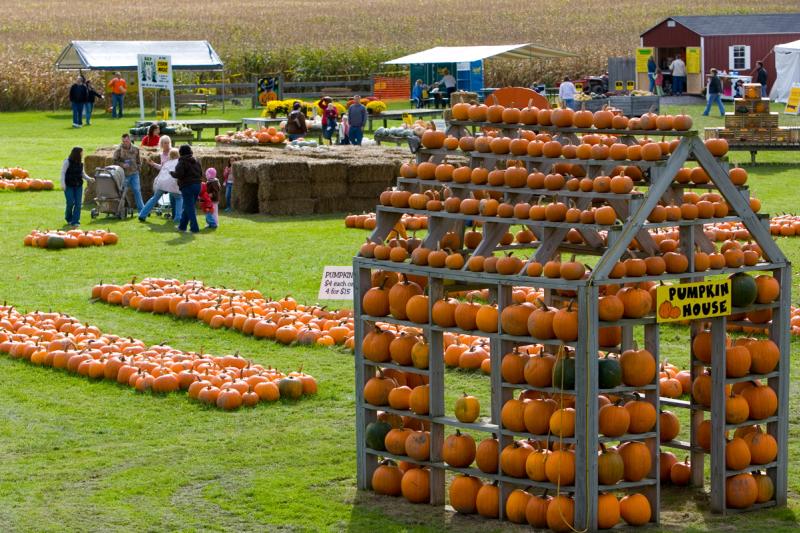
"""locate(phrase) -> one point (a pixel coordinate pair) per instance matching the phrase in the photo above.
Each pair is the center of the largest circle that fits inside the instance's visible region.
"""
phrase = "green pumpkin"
(609, 373)
(290, 387)
(564, 373)
(376, 435)
(55, 242)
(743, 289)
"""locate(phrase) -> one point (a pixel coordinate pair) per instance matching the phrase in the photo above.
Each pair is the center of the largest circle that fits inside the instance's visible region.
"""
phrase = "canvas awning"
(122, 55)
(787, 70)
(458, 54)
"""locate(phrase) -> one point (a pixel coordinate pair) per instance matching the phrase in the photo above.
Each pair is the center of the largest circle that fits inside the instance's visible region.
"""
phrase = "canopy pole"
(223, 90)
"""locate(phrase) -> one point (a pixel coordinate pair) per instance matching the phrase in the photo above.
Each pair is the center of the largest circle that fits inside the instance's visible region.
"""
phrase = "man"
(714, 93)
(118, 88)
(357, 118)
(449, 83)
(651, 72)
(761, 77)
(127, 156)
(566, 93)
(678, 70)
(78, 96)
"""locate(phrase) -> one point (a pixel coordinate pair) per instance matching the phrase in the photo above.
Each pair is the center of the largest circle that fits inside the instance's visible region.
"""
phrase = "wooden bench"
(199, 101)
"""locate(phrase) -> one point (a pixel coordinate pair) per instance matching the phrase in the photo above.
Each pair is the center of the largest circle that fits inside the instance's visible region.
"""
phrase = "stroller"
(111, 192)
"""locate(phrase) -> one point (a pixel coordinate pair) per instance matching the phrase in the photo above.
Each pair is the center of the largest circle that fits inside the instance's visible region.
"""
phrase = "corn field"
(308, 39)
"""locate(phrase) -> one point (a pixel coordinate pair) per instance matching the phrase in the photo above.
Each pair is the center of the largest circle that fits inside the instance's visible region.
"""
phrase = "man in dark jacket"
(714, 93)
(78, 96)
(761, 77)
(296, 126)
(357, 118)
(189, 174)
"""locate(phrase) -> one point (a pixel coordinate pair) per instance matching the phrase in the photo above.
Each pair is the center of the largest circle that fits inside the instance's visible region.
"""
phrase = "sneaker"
(76, 125)
(142, 219)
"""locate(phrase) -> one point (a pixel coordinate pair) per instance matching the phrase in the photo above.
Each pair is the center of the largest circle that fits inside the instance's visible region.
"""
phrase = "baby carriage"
(111, 192)
(163, 207)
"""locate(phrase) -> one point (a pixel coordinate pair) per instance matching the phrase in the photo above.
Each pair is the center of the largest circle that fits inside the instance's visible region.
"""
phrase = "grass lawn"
(83, 456)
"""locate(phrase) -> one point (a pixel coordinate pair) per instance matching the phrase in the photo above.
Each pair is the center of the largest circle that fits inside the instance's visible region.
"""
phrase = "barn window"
(739, 57)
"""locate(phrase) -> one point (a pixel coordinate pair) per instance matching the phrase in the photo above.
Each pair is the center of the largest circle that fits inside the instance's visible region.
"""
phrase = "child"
(659, 83)
(209, 198)
(227, 180)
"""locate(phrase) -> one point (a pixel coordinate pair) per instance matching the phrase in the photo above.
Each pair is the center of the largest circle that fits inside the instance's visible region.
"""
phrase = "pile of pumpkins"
(249, 136)
(368, 221)
(63, 342)
(284, 320)
(603, 119)
(56, 240)
(18, 179)
(784, 225)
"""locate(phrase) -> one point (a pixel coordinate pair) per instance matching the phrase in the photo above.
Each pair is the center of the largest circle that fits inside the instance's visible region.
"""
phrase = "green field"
(77, 455)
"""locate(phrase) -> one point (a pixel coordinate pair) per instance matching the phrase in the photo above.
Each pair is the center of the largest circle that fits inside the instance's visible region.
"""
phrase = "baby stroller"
(163, 207)
(111, 192)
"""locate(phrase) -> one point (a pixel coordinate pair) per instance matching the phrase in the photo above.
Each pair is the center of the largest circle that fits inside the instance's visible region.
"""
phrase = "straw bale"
(328, 178)
(245, 196)
(288, 207)
(287, 180)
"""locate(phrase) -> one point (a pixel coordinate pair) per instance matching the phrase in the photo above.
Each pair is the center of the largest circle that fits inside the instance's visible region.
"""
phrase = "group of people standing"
(349, 127)
(83, 96)
(180, 175)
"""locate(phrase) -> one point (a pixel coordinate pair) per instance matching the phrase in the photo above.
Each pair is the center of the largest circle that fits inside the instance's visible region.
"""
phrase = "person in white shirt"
(163, 184)
(449, 82)
(678, 70)
(566, 93)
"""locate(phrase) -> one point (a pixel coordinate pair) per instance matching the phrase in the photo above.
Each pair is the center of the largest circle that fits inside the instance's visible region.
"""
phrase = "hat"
(211, 173)
(185, 149)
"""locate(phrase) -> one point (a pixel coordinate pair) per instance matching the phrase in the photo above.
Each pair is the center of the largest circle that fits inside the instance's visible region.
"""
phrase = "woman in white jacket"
(165, 184)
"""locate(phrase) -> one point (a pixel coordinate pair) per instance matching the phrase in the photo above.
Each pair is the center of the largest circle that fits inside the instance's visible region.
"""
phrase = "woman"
(72, 178)
(164, 185)
(329, 124)
(152, 137)
(78, 96)
(416, 94)
(92, 97)
(227, 181)
(189, 174)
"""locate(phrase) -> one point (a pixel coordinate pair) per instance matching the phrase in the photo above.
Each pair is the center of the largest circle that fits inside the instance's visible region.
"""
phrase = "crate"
(752, 91)
(595, 104)
(742, 106)
(763, 135)
(733, 121)
(635, 106)
(712, 133)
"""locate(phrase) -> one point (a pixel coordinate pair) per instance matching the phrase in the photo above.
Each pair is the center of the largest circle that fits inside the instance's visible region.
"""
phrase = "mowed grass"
(83, 456)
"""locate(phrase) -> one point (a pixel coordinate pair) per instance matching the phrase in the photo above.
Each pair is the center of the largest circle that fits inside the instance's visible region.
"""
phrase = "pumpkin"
(538, 370)
(464, 493)
(741, 491)
(636, 302)
(765, 487)
(763, 447)
(536, 512)
(290, 387)
(418, 400)
(486, 455)
(415, 485)
(562, 422)
(535, 465)
(764, 355)
(744, 290)
(737, 361)
(669, 426)
(513, 366)
(610, 466)
(608, 511)
(517, 505)
(737, 409)
(609, 372)
(643, 415)
(487, 501)
(561, 513)
(737, 454)
(513, 458)
(635, 509)
(560, 467)
(564, 372)
(537, 414)
(637, 459)
(418, 445)
(613, 420)
(762, 401)
(386, 479)
(565, 324)
(459, 450)
(638, 367)
(467, 408)
(375, 435)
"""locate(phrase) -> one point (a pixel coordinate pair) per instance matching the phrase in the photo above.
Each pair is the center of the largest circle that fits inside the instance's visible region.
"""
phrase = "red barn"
(725, 42)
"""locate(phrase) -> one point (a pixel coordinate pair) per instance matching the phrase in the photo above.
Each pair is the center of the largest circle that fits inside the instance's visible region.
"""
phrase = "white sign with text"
(337, 283)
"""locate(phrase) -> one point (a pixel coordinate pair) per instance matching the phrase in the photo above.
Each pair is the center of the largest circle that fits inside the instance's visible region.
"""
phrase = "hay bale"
(333, 204)
(289, 207)
(328, 178)
(286, 180)
(244, 196)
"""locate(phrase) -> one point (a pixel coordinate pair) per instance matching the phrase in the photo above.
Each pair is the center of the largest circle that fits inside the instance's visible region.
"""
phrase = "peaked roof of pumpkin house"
(761, 24)
(466, 54)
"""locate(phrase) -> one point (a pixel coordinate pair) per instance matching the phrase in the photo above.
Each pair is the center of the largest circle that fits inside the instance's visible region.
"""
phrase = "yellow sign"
(631, 85)
(693, 60)
(408, 119)
(162, 67)
(793, 103)
(618, 85)
(642, 55)
(578, 86)
(691, 301)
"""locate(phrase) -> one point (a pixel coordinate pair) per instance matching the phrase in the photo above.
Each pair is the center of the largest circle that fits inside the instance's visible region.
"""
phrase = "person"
(91, 97)
(566, 93)
(651, 72)
(329, 124)
(165, 184)
(738, 89)
(761, 77)
(118, 88)
(127, 156)
(189, 175)
(344, 130)
(678, 70)
(714, 93)
(449, 83)
(175, 200)
(151, 139)
(78, 96)
(357, 119)
(72, 178)
(227, 180)
(209, 198)
(296, 126)
(416, 94)
(659, 83)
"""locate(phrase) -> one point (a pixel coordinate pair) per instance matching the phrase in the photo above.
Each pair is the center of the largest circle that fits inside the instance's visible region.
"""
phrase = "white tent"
(458, 54)
(787, 70)
(122, 55)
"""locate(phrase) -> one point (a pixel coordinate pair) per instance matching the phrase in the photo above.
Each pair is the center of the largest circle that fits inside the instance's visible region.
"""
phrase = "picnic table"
(258, 122)
(198, 125)
(397, 114)
(754, 147)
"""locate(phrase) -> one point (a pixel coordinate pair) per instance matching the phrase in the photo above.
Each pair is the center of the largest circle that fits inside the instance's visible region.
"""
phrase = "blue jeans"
(356, 135)
(570, 103)
(764, 90)
(73, 196)
(714, 97)
(228, 192)
(678, 85)
(293, 136)
(87, 110)
(176, 200)
(652, 77)
(77, 113)
(329, 128)
(133, 184)
(189, 216)
(116, 103)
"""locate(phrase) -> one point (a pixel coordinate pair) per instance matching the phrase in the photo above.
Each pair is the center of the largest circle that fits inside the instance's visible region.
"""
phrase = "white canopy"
(458, 54)
(787, 70)
(121, 55)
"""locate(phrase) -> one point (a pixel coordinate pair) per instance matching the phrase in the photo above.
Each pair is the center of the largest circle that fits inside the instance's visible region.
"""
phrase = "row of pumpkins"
(284, 320)
(606, 118)
(25, 184)
(369, 221)
(56, 240)
(249, 136)
(63, 342)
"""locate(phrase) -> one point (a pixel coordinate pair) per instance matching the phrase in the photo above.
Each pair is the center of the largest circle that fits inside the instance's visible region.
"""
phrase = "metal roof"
(457, 54)
(762, 24)
(122, 55)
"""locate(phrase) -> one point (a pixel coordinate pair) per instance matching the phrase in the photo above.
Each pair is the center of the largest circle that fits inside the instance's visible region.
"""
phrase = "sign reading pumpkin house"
(690, 301)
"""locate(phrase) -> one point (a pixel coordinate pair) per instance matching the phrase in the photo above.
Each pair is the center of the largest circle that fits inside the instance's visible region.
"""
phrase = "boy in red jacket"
(209, 198)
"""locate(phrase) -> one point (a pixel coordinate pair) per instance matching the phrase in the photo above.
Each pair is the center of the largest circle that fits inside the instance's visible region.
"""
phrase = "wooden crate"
(752, 91)
(733, 121)
(742, 106)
